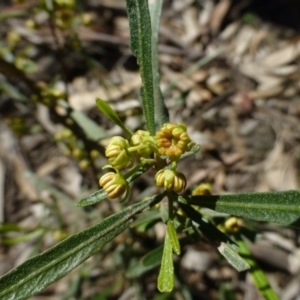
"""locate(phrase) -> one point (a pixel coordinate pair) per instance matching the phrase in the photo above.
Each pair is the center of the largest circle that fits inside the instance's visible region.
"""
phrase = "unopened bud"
(170, 180)
(117, 153)
(114, 185)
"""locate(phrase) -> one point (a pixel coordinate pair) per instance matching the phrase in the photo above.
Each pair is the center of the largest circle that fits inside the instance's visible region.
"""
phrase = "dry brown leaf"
(284, 70)
(279, 170)
(206, 12)
(220, 11)
(263, 92)
(10, 152)
(191, 24)
(230, 31)
(196, 96)
(243, 40)
(283, 56)
(199, 75)
(85, 99)
(257, 40)
(182, 82)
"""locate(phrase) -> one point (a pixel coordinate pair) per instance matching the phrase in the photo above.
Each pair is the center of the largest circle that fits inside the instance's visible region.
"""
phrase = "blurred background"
(229, 71)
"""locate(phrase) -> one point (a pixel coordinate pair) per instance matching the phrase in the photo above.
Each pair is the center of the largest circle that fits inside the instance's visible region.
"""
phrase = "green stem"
(170, 204)
(256, 272)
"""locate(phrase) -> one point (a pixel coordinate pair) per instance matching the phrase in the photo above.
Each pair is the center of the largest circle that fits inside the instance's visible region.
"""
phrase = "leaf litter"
(243, 106)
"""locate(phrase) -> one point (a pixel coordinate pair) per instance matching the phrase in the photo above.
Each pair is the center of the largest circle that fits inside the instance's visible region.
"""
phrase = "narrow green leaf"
(153, 257)
(161, 111)
(11, 91)
(145, 218)
(111, 114)
(140, 39)
(41, 185)
(92, 130)
(226, 292)
(220, 240)
(164, 296)
(8, 227)
(165, 281)
(148, 262)
(13, 14)
(101, 194)
(96, 197)
(137, 172)
(23, 238)
(278, 207)
(214, 235)
(173, 237)
(233, 257)
(40, 271)
(256, 272)
(204, 61)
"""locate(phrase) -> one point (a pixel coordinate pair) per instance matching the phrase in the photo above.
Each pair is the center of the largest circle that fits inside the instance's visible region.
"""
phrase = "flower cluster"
(172, 141)
(165, 148)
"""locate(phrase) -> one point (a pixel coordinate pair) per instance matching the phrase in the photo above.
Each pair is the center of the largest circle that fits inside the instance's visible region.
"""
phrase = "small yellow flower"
(170, 180)
(143, 142)
(117, 153)
(172, 140)
(114, 185)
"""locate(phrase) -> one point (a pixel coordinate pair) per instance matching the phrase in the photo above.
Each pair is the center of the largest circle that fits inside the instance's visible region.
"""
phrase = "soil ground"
(229, 71)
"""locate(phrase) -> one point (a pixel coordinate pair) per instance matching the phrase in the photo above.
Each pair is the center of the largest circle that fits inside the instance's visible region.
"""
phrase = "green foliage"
(110, 113)
(256, 272)
(278, 207)
(223, 243)
(151, 260)
(161, 111)
(165, 281)
(181, 214)
(40, 271)
(140, 27)
(173, 237)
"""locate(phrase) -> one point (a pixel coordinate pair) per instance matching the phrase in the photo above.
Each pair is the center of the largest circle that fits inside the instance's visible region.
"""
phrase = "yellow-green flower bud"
(170, 180)
(233, 224)
(114, 185)
(202, 189)
(172, 140)
(65, 3)
(143, 142)
(117, 153)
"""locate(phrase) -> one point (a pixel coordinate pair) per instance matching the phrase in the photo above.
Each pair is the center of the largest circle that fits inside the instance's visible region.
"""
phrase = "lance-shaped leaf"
(146, 220)
(278, 207)
(91, 129)
(173, 237)
(148, 262)
(161, 111)
(224, 244)
(165, 280)
(140, 40)
(111, 114)
(38, 272)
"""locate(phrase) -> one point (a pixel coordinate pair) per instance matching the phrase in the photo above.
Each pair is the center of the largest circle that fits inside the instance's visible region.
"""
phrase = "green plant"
(160, 149)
